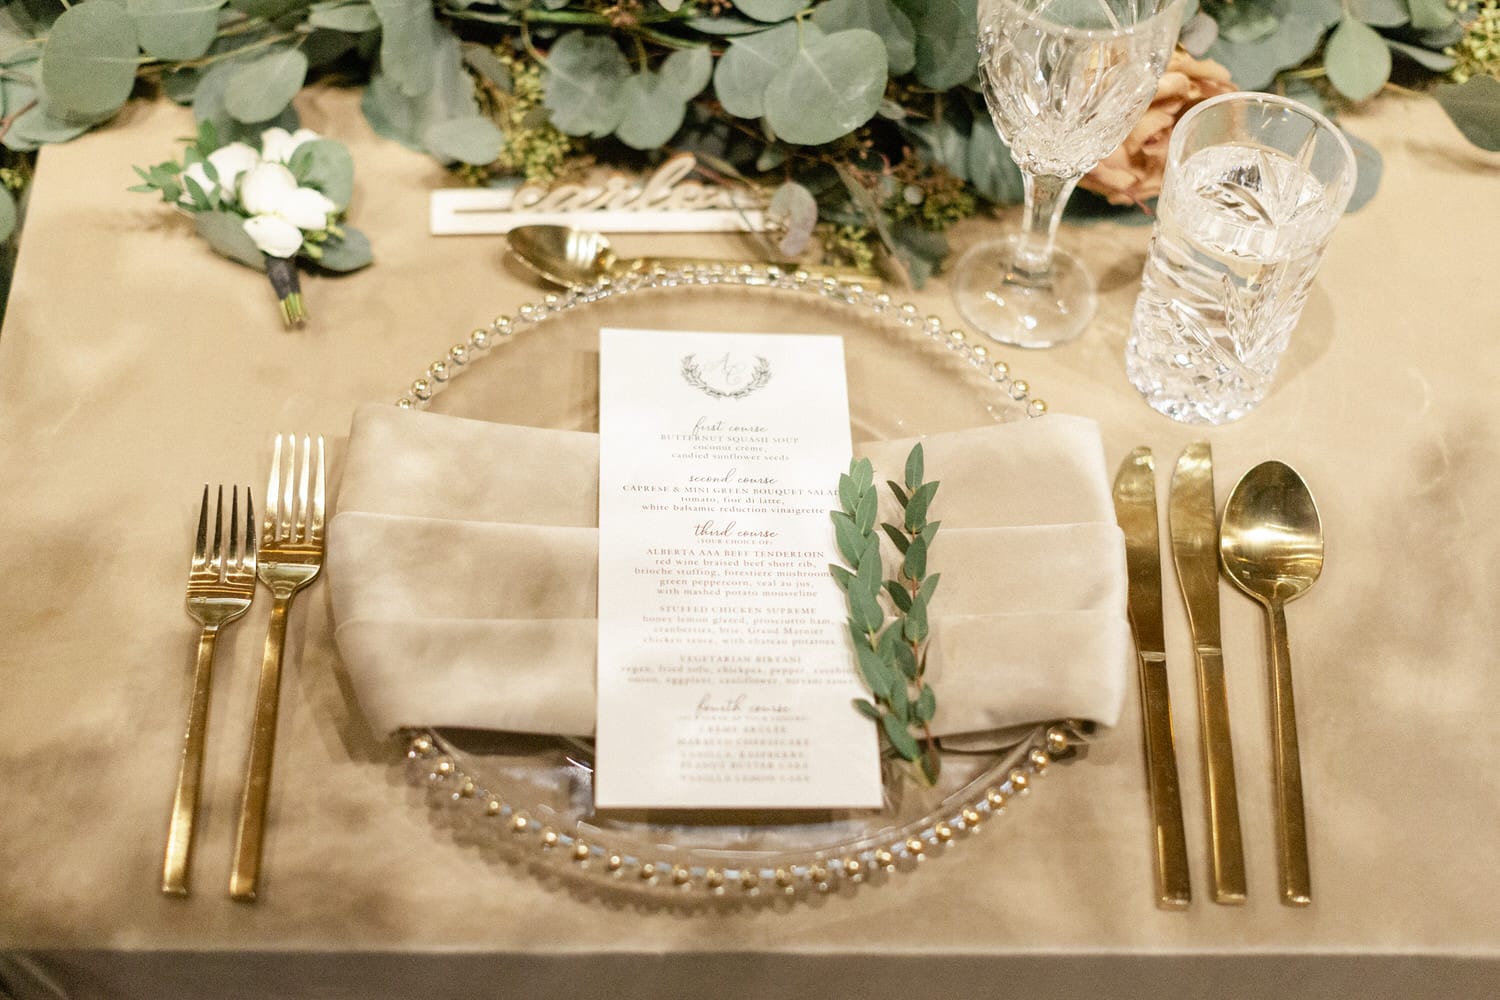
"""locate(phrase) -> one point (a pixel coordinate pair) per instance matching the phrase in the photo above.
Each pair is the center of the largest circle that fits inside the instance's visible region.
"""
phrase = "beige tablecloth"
(135, 366)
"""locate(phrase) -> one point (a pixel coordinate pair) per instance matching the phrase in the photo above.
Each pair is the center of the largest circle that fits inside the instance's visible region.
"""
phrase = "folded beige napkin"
(463, 568)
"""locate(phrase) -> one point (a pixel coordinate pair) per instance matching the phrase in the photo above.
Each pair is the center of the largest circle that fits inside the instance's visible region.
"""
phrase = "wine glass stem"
(1046, 196)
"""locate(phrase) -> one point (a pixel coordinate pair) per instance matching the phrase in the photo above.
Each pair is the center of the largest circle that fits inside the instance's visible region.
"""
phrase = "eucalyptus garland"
(862, 117)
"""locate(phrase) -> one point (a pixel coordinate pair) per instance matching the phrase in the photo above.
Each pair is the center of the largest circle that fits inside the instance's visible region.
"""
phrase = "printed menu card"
(725, 673)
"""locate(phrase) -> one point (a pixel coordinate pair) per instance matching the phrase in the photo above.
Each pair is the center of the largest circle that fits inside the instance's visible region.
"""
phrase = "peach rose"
(1132, 174)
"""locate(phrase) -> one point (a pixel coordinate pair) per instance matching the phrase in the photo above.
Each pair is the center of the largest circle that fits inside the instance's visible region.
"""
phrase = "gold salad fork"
(219, 591)
(291, 554)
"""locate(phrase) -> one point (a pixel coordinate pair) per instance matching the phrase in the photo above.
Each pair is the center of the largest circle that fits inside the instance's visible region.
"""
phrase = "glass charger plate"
(532, 797)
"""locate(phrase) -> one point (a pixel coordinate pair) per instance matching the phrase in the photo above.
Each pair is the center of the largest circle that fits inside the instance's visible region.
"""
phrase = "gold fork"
(291, 554)
(218, 592)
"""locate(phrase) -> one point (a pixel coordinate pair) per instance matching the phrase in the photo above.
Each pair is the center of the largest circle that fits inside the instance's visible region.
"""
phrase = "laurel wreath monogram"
(692, 373)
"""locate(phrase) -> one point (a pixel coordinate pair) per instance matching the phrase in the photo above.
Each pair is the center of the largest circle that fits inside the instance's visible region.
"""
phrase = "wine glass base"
(1006, 308)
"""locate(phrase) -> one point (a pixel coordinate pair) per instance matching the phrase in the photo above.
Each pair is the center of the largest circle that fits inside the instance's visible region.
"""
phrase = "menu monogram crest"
(727, 376)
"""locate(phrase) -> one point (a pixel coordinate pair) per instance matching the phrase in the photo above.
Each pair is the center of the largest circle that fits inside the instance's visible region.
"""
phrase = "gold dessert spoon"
(573, 258)
(1271, 547)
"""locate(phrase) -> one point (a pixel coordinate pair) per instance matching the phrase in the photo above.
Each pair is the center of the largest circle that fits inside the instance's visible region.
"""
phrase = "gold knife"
(1135, 509)
(1195, 551)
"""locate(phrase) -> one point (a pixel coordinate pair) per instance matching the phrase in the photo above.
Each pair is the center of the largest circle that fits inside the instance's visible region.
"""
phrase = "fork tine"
(217, 563)
(285, 521)
(250, 554)
(232, 565)
(317, 500)
(200, 548)
(299, 529)
(273, 491)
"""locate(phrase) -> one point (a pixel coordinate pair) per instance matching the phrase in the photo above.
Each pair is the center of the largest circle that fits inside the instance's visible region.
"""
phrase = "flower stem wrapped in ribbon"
(268, 208)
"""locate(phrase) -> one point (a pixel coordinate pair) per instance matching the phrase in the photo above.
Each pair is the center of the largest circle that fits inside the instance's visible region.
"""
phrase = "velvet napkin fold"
(463, 567)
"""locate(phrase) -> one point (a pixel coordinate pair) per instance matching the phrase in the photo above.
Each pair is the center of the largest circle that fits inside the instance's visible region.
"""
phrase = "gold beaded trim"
(480, 341)
(431, 765)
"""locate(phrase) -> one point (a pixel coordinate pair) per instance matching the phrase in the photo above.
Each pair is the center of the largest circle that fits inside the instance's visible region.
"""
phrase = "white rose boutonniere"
(270, 207)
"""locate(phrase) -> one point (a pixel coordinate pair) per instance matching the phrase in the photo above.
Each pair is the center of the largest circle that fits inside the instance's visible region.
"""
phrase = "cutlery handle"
(1226, 846)
(174, 869)
(1173, 886)
(1291, 833)
(247, 844)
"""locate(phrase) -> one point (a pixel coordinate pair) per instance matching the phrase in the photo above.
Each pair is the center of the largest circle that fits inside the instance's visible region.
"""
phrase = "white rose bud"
(230, 162)
(278, 145)
(265, 187)
(306, 208)
(274, 236)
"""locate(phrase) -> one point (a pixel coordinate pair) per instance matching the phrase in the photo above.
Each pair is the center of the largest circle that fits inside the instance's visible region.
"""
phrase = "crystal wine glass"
(1065, 82)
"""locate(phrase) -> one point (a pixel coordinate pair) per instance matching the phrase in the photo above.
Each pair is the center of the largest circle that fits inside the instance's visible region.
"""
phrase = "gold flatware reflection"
(221, 585)
(574, 258)
(1271, 546)
(1195, 552)
(1135, 509)
(291, 555)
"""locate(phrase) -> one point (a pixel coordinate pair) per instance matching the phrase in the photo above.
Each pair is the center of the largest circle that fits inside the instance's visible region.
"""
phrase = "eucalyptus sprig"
(892, 655)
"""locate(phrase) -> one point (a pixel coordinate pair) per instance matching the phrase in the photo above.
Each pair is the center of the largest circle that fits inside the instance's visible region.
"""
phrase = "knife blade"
(1135, 510)
(1194, 531)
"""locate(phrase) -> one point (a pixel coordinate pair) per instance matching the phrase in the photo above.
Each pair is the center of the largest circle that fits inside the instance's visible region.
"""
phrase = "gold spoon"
(1271, 547)
(574, 258)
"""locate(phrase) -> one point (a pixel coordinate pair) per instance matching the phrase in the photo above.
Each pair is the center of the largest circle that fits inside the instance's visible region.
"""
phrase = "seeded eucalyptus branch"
(892, 655)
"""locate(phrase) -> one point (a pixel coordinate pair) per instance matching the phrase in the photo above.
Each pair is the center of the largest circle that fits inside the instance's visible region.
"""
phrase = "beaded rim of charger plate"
(818, 872)
(460, 356)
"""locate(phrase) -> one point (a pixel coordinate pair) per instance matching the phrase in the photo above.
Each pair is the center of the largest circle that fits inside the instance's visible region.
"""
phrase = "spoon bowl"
(1271, 546)
(1271, 537)
(563, 255)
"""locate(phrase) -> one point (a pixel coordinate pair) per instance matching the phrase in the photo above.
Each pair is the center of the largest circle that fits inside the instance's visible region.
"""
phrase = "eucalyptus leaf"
(880, 16)
(926, 706)
(898, 539)
(225, 232)
(268, 10)
(448, 94)
(175, 29)
(863, 473)
(945, 139)
(947, 40)
(1369, 167)
(262, 87)
(914, 567)
(1427, 15)
(848, 493)
(351, 17)
(900, 702)
(929, 585)
(1255, 64)
(771, 10)
(841, 576)
(900, 596)
(482, 60)
(8, 214)
(906, 660)
(687, 71)
(1474, 107)
(1380, 13)
(901, 741)
(794, 209)
(1357, 60)
(916, 510)
(1325, 12)
(749, 64)
(651, 111)
(866, 709)
(915, 627)
(914, 467)
(724, 26)
(208, 106)
(583, 82)
(323, 46)
(869, 566)
(326, 166)
(409, 40)
(36, 128)
(850, 542)
(897, 492)
(348, 253)
(88, 62)
(1438, 62)
(831, 87)
(472, 139)
(992, 170)
(877, 676)
(865, 607)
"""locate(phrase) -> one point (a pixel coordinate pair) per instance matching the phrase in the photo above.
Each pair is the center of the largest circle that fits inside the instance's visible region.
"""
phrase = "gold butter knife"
(1135, 509)
(1193, 525)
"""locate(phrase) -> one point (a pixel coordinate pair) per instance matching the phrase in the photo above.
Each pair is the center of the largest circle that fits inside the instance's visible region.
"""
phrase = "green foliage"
(890, 654)
(1474, 107)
